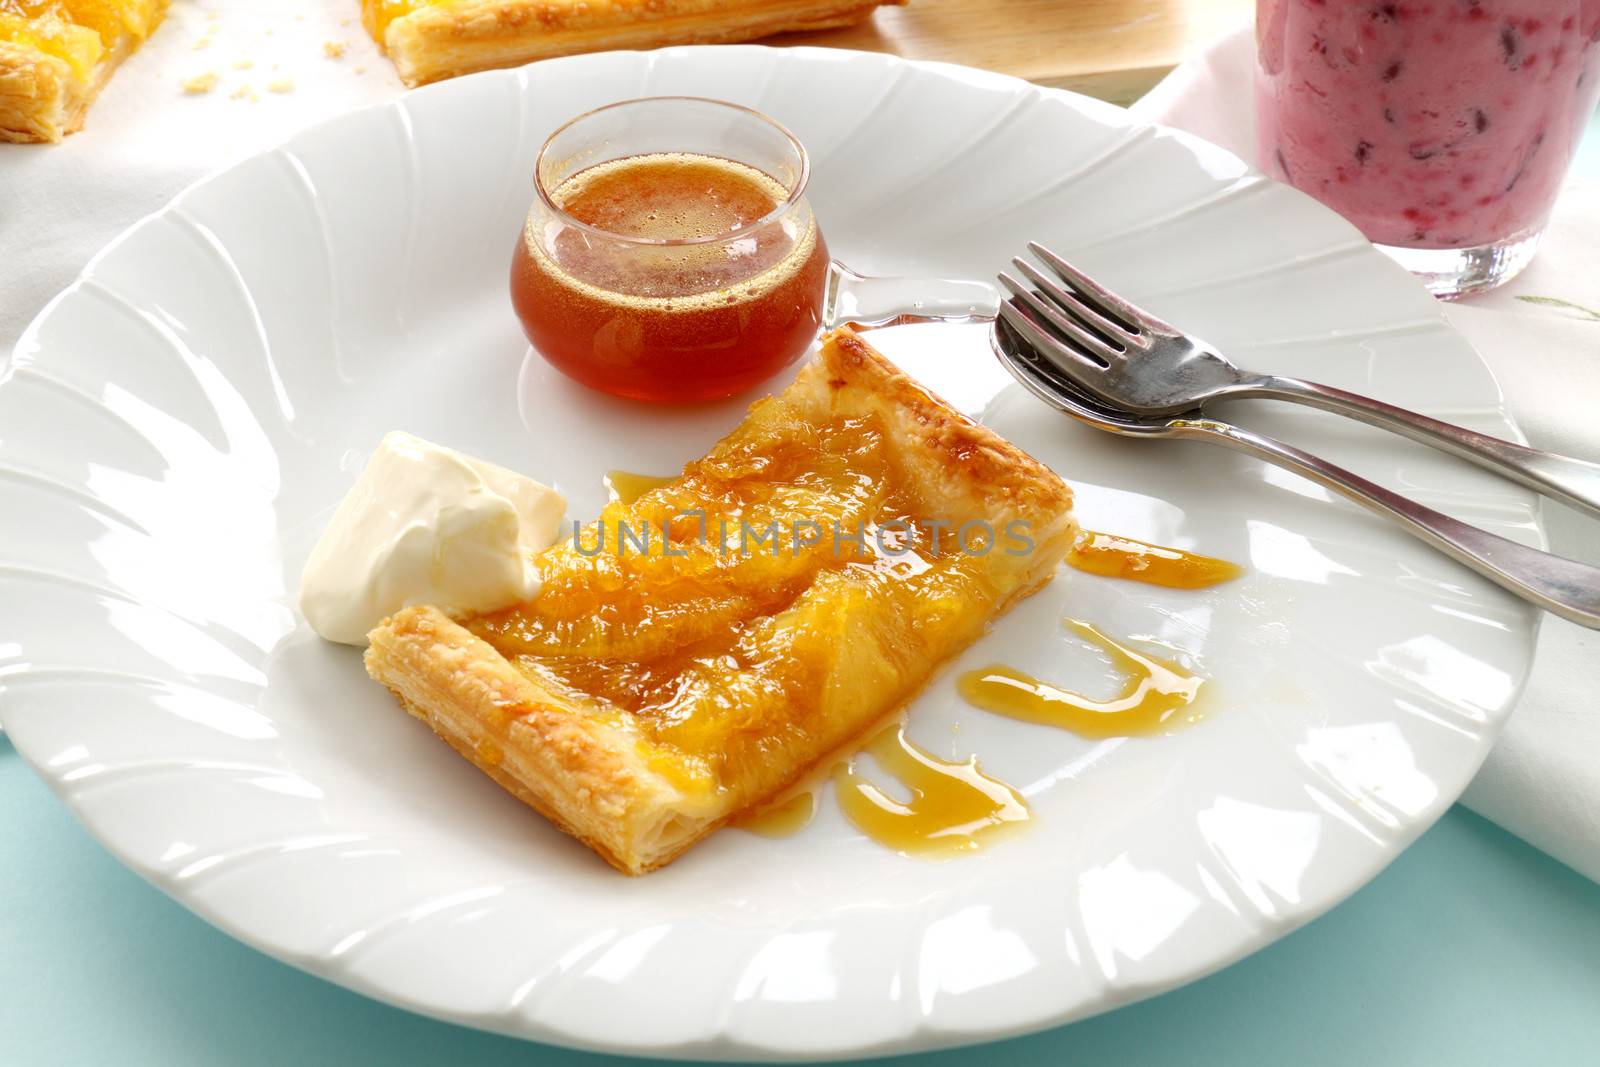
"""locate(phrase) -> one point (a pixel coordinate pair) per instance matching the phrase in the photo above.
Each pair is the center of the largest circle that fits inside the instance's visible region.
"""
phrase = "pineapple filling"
(78, 31)
(747, 606)
(377, 14)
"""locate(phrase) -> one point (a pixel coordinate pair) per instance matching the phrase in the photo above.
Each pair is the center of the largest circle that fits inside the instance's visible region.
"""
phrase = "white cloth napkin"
(283, 65)
(1542, 781)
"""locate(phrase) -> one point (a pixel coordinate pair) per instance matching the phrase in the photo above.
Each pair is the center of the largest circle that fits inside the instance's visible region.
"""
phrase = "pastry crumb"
(202, 43)
(281, 85)
(333, 49)
(361, 70)
(243, 64)
(244, 92)
(200, 83)
(344, 22)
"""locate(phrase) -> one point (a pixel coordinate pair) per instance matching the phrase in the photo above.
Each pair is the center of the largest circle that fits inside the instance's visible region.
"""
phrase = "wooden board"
(1113, 49)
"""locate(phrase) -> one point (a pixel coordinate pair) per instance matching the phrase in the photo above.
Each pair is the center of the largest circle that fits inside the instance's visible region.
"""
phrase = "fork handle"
(1573, 481)
(1562, 586)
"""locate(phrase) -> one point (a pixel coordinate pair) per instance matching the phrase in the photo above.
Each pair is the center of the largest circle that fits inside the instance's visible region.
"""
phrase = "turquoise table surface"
(1472, 948)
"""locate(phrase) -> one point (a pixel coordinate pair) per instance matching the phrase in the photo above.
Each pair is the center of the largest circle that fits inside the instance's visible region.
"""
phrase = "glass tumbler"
(1441, 128)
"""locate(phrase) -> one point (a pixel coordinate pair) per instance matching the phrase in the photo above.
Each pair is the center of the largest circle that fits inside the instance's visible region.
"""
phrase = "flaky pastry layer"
(441, 40)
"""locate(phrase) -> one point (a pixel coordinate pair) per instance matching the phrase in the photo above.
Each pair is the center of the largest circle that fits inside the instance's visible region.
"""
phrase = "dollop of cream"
(425, 524)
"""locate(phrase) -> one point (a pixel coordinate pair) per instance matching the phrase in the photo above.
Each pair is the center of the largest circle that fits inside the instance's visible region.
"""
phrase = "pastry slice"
(433, 39)
(55, 55)
(693, 653)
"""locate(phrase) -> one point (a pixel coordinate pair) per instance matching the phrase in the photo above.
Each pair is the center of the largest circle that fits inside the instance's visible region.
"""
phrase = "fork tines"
(1079, 321)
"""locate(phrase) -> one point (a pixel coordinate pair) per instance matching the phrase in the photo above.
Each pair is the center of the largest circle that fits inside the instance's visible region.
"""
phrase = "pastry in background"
(56, 55)
(433, 39)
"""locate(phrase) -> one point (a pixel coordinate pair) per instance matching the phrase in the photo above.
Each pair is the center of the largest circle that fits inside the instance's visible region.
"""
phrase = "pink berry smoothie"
(1427, 123)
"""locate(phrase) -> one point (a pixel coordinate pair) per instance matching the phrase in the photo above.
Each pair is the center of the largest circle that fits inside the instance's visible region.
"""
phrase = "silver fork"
(1129, 359)
(1565, 587)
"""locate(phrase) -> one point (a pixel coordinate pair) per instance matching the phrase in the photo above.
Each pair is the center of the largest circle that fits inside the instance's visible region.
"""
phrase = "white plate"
(175, 428)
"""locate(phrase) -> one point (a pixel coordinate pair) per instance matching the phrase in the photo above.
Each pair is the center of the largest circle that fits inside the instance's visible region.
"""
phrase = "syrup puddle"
(953, 807)
(1111, 556)
(1155, 691)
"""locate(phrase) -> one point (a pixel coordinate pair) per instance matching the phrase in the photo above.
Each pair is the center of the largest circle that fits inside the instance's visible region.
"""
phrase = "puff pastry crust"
(433, 39)
(56, 55)
(640, 702)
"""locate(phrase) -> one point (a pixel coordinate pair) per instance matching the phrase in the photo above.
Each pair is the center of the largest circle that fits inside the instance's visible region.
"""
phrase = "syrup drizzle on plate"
(1111, 556)
(1155, 691)
(952, 807)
